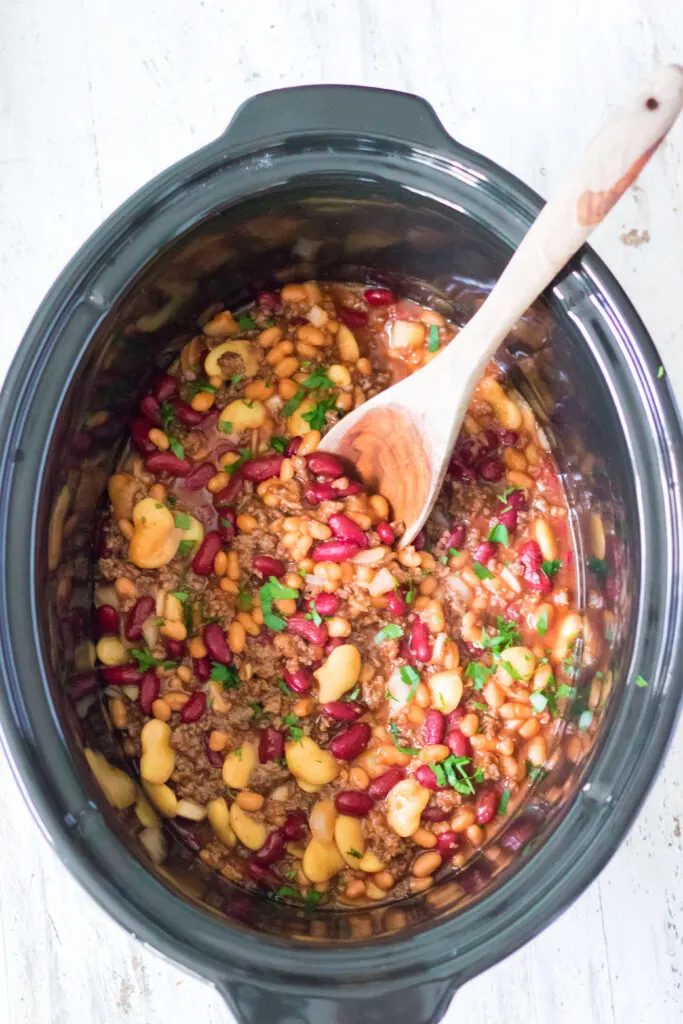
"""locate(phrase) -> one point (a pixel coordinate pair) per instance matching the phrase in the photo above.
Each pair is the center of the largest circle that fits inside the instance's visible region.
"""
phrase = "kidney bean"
(379, 297)
(83, 685)
(518, 834)
(174, 648)
(353, 488)
(227, 524)
(342, 710)
(121, 675)
(351, 742)
(396, 603)
(332, 644)
(458, 743)
(188, 416)
(335, 551)
(301, 626)
(508, 518)
(264, 877)
(447, 843)
(139, 613)
(315, 493)
(108, 620)
(294, 826)
(230, 493)
(405, 652)
(471, 450)
(163, 387)
(459, 471)
(491, 468)
(434, 728)
(271, 745)
(435, 814)
(420, 642)
(385, 533)
(485, 806)
(420, 541)
(195, 707)
(199, 477)
(166, 462)
(352, 317)
(202, 563)
(537, 581)
(345, 529)
(457, 537)
(508, 438)
(139, 436)
(214, 757)
(271, 850)
(485, 552)
(299, 681)
(426, 777)
(268, 301)
(530, 555)
(454, 719)
(216, 644)
(517, 500)
(381, 786)
(327, 604)
(327, 466)
(149, 407)
(264, 468)
(267, 566)
(201, 668)
(354, 803)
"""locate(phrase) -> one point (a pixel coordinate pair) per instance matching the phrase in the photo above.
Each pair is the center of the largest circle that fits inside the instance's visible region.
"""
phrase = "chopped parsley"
(499, 535)
(244, 601)
(259, 714)
(293, 404)
(179, 595)
(246, 323)
(392, 631)
(660, 373)
(542, 623)
(453, 552)
(225, 674)
(245, 455)
(271, 591)
(279, 443)
(283, 686)
(176, 447)
(168, 415)
(318, 379)
(433, 343)
(506, 494)
(225, 426)
(641, 682)
(172, 500)
(569, 692)
(390, 696)
(551, 568)
(235, 381)
(535, 772)
(504, 801)
(317, 417)
(538, 701)
(410, 593)
(186, 547)
(598, 566)
(411, 678)
(354, 853)
(393, 729)
(353, 695)
(146, 660)
(481, 572)
(478, 674)
(314, 615)
(484, 708)
(286, 890)
(454, 769)
(295, 730)
(193, 388)
(510, 669)
(313, 898)
(182, 520)
(507, 636)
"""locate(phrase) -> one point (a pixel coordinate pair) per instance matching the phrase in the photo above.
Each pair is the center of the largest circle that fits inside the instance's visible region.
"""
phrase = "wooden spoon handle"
(612, 162)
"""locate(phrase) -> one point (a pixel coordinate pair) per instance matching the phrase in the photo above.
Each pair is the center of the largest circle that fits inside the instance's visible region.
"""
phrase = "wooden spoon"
(401, 441)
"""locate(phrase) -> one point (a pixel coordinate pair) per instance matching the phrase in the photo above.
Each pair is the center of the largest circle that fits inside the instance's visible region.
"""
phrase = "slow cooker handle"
(330, 109)
(423, 1004)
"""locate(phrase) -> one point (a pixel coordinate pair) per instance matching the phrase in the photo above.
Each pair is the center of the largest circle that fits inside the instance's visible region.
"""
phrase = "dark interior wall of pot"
(328, 228)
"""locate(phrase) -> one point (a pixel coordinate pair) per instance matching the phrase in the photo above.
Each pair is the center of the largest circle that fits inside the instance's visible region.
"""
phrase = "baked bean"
(426, 864)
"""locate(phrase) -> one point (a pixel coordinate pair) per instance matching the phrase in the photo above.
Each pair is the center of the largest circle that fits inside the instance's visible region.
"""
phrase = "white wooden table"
(97, 97)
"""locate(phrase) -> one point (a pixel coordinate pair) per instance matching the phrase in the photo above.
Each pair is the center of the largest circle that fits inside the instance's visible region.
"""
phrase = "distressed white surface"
(97, 97)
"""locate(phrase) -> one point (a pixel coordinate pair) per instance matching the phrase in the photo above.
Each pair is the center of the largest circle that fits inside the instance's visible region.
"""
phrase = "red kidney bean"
(508, 518)
(457, 537)
(458, 743)
(459, 471)
(491, 468)
(345, 529)
(139, 613)
(327, 604)
(149, 407)
(537, 580)
(201, 668)
(508, 438)
(164, 386)
(264, 877)
(271, 745)
(301, 626)
(484, 552)
(420, 541)
(166, 462)
(267, 566)
(199, 477)
(517, 500)
(121, 675)
(264, 468)
(379, 297)
(530, 555)
(315, 493)
(352, 317)
(434, 728)
(420, 642)
(268, 301)
(271, 850)
(293, 446)
(108, 620)
(214, 757)
(381, 786)
(351, 742)
(186, 414)
(341, 710)
(83, 685)
(174, 648)
(227, 524)
(202, 563)
(471, 449)
(396, 603)
(485, 806)
(405, 652)
(327, 466)
(230, 493)
(385, 533)
(454, 719)
(295, 823)
(518, 834)
(216, 644)
(354, 803)
(435, 814)
(447, 843)
(332, 644)
(426, 777)
(139, 435)
(353, 488)
(335, 551)
(195, 707)
(299, 681)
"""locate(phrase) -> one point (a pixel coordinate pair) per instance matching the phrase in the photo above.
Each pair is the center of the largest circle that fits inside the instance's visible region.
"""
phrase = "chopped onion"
(274, 404)
(370, 556)
(398, 690)
(315, 581)
(150, 631)
(190, 810)
(154, 842)
(457, 584)
(407, 334)
(131, 691)
(106, 595)
(383, 582)
(317, 316)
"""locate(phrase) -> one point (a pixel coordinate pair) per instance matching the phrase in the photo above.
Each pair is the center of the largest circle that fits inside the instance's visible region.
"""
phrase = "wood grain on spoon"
(401, 440)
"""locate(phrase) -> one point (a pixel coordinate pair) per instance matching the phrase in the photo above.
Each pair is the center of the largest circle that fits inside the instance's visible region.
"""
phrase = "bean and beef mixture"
(340, 720)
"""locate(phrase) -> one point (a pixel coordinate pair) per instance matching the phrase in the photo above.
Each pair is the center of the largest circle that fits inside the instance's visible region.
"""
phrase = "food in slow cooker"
(336, 719)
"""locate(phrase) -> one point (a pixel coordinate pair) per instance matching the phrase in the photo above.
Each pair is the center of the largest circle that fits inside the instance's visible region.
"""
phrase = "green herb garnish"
(393, 729)
(168, 415)
(246, 323)
(354, 853)
(274, 591)
(279, 443)
(317, 417)
(225, 674)
(293, 404)
(598, 566)
(478, 674)
(542, 624)
(660, 373)
(504, 801)
(499, 535)
(411, 678)
(538, 701)
(295, 730)
(225, 427)
(481, 572)
(318, 379)
(146, 660)
(176, 447)
(186, 547)
(392, 631)
(244, 600)
(552, 567)
(182, 520)
(180, 595)
(193, 388)
(535, 772)
(245, 455)
(641, 682)
(433, 343)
